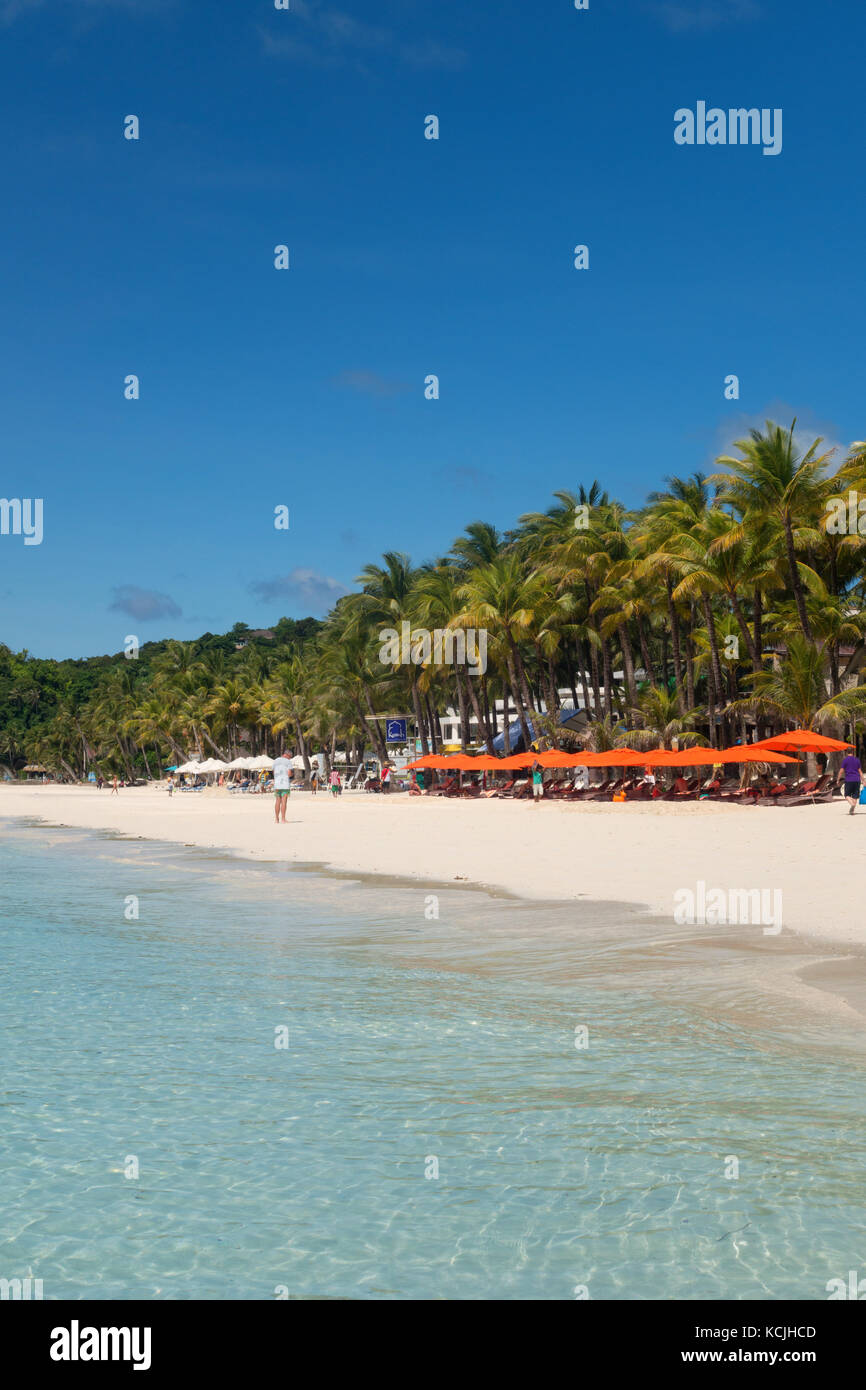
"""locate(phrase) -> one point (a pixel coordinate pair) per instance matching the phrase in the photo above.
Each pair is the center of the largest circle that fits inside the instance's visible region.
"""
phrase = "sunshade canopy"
(611, 757)
(709, 757)
(803, 740)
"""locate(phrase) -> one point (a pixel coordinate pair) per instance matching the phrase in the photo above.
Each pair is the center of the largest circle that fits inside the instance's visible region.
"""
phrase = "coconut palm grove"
(730, 606)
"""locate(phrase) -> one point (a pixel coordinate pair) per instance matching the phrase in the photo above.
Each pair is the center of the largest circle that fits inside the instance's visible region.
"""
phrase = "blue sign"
(395, 731)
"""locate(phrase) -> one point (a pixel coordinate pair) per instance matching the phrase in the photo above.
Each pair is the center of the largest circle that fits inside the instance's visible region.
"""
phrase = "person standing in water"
(282, 787)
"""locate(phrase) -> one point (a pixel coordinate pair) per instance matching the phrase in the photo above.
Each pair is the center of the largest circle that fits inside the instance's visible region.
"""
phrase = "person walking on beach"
(282, 787)
(314, 781)
(537, 782)
(335, 783)
(114, 785)
(852, 774)
(386, 778)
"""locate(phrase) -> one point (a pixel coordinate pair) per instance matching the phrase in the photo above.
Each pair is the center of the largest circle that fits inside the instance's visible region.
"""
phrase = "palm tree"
(663, 721)
(503, 597)
(795, 691)
(773, 479)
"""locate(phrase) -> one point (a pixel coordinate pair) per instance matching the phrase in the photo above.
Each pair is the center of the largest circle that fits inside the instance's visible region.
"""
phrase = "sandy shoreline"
(640, 854)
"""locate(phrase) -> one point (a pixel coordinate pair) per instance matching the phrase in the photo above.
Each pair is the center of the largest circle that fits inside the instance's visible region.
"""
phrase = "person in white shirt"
(282, 787)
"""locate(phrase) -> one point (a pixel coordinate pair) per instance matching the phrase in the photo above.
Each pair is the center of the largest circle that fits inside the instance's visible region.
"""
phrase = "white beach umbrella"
(212, 765)
(239, 762)
(188, 767)
(297, 762)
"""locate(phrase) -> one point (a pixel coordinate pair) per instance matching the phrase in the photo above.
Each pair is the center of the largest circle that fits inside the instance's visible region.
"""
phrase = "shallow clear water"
(410, 1040)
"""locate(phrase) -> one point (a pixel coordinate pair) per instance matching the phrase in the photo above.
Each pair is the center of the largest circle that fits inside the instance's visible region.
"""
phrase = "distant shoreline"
(642, 854)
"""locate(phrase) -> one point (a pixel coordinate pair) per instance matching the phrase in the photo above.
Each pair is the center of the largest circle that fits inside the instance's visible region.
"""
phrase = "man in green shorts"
(282, 787)
(537, 783)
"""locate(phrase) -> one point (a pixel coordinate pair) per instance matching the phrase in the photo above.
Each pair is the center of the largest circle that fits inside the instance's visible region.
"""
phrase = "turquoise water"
(302, 1170)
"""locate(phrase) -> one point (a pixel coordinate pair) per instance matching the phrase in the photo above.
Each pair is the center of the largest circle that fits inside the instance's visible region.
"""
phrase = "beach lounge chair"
(769, 795)
(641, 792)
(445, 789)
(691, 792)
(604, 792)
(806, 794)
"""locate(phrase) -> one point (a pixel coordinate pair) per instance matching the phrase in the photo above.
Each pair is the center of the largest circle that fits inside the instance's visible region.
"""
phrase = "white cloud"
(145, 605)
(304, 588)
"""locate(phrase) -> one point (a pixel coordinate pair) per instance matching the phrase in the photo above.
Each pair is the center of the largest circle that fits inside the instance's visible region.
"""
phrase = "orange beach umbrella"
(709, 757)
(805, 741)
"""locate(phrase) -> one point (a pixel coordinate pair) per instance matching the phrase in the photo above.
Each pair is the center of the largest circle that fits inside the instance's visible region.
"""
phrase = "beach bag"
(863, 796)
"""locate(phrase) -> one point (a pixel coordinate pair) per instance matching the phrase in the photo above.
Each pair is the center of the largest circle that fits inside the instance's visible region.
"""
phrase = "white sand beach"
(639, 853)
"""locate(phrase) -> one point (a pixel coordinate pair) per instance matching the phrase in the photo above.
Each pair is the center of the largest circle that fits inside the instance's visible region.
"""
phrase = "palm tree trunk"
(219, 752)
(628, 664)
(690, 665)
(520, 671)
(645, 652)
(435, 732)
(796, 582)
(595, 679)
(607, 677)
(674, 623)
(375, 728)
(302, 742)
(758, 615)
(483, 728)
(553, 706)
(584, 688)
(715, 661)
(419, 720)
(489, 711)
(465, 736)
(518, 704)
(744, 628)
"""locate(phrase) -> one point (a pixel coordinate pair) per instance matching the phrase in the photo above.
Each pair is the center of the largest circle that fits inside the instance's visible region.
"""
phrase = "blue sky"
(305, 387)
